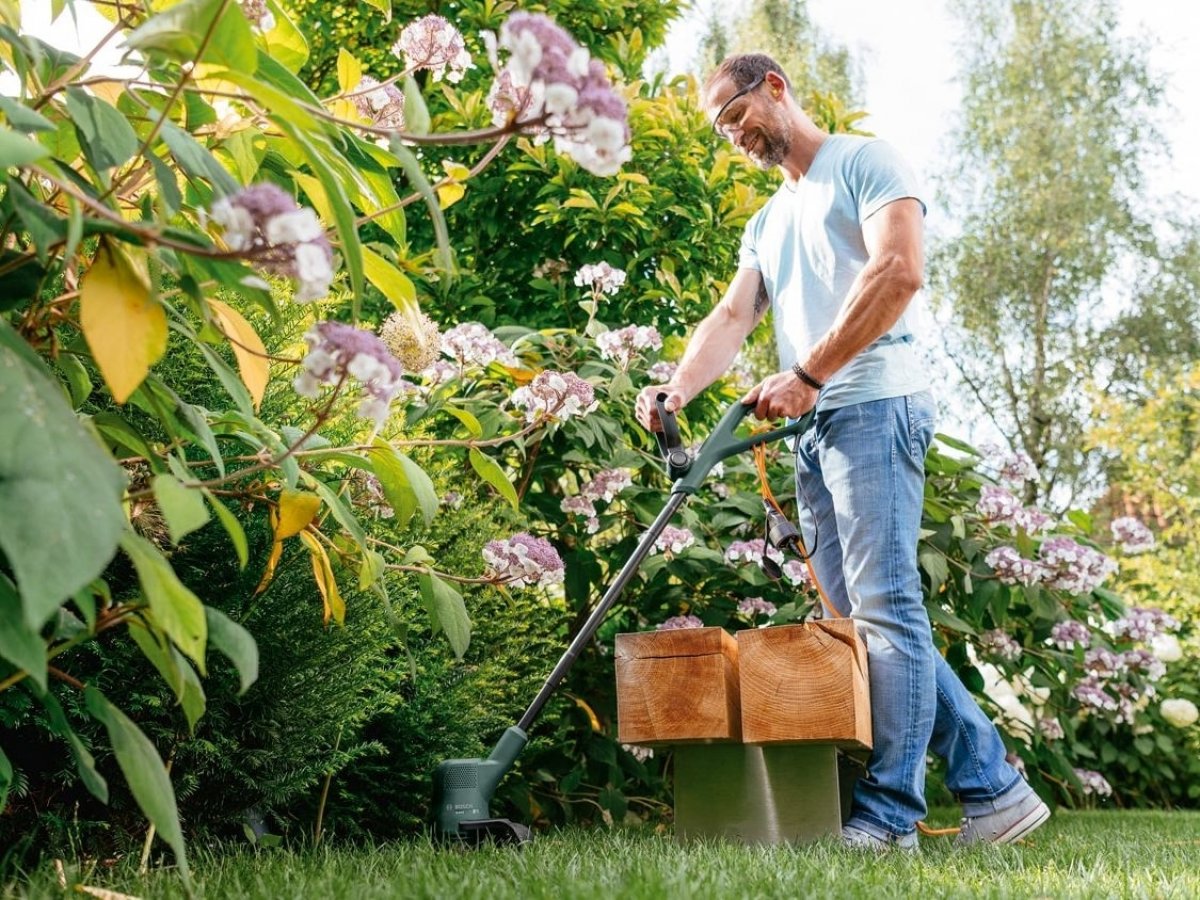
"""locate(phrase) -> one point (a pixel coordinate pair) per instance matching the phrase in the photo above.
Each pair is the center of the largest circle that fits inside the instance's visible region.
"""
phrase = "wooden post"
(677, 686)
(805, 684)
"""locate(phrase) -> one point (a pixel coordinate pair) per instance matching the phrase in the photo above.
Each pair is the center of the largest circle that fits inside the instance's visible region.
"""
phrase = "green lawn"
(1094, 854)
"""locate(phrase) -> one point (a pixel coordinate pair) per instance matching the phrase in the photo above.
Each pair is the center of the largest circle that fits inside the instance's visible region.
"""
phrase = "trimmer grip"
(669, 438)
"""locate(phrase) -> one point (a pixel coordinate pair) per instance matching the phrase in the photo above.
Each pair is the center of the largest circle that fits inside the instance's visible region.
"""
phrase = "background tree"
(1045, 182)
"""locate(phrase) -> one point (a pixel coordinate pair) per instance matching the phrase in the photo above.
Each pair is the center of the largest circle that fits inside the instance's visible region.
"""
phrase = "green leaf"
(20, 285)
(285, 42)
(182, 506)
(1080, 520)
(384, 6)
(195, 160)
(404, 483)
(176, 610)
(236, 643)
(84, 761)
(23, 118)
(107, 138)
(940, 616)
(468, 419)
(44, 227)
(17, 150)
(60, 491)
(174, 669)
(179, 32)
(391, 282)
(371, 569)
(6, 779)
(168, 185)
(416, 113)
(19, 644)
(491, 472)
(962, 446)
(936, 566)
(144, 772)
(232, 527)
(412, 169)
(338, 509)
(448, 612)
(75, 374)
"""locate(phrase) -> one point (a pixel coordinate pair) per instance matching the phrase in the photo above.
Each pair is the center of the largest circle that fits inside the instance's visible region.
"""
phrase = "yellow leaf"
(349, 71)
(316, 195)
(593, 719)
(392, 283)
(247, 347)
(457, 171)
(273, 560)
(125, 327)
(450, 193)
(296, 511)
(326, 584)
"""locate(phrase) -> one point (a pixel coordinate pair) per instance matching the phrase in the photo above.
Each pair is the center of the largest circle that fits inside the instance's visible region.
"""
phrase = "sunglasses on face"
(721, 127)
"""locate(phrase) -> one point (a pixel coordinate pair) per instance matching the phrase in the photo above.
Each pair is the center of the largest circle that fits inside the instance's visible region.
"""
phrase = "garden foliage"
(235, 423)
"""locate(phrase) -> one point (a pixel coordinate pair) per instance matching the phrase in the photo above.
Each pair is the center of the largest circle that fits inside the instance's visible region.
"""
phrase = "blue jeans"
(860, 477)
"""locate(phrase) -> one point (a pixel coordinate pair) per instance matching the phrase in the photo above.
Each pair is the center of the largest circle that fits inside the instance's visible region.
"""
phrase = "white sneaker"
(1005, 826)
(858, 839)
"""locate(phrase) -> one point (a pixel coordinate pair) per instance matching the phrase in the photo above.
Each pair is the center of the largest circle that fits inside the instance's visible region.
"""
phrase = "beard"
(770, 148)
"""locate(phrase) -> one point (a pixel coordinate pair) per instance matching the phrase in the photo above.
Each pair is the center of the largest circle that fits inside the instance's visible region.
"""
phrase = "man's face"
(750, 120)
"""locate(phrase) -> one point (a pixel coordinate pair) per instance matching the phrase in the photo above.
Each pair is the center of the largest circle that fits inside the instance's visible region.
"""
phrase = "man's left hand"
(781, 396)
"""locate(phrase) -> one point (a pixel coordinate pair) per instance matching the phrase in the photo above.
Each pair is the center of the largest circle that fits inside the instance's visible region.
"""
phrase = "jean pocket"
(921, 415)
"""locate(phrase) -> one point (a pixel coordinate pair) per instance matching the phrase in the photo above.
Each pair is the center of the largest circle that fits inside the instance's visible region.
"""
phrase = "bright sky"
(906, 51)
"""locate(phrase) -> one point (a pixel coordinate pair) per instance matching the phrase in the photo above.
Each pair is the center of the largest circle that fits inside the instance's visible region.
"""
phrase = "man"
(836, 255)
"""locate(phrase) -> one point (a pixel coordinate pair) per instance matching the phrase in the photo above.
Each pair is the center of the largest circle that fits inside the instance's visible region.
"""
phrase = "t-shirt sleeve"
(878, 175)
(748, 254)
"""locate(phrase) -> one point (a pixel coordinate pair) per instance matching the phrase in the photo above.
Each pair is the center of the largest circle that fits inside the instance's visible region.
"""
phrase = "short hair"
(744, 69)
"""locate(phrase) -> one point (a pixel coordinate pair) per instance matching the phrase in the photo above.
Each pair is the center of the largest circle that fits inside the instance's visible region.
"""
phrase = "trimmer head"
(462, 793)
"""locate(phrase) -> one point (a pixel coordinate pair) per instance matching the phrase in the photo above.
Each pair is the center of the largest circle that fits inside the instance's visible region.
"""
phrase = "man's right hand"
(647, 411)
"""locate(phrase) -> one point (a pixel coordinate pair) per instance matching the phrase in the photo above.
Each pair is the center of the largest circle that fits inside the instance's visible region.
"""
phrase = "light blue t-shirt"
(808, 246)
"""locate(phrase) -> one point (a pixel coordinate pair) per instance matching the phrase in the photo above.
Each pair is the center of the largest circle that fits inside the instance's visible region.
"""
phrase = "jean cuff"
(1017, 791)
(877, 829)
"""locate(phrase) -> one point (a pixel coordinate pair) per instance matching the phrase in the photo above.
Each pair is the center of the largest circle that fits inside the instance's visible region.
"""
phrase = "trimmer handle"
(670, 442)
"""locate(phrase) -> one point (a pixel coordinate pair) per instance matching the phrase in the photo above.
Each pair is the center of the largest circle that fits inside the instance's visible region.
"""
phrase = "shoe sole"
(1023, 826)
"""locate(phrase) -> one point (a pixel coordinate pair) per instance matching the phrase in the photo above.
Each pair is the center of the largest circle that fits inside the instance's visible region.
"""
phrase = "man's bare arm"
(713, 345)
(882, 291)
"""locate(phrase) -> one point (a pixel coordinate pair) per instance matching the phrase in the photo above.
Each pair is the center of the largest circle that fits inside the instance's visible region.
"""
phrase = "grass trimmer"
(463, 788)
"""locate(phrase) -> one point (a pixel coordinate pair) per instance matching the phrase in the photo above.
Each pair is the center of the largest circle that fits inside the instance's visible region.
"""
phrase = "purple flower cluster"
(1132, 535)
(379, 104)
(259, 15)
(674, 539)
(1017, 469)
(999, 644)
(751, 551)
(433, 43)
(524, 560)
(600, 277)
(1089, 691)
(557, 395)
(662, 372)
(1011, 568)
(263, 224)
(1144, 624)
(1093, 783)
(622, 345)
(1103, 663)
(604, 486)
(751, 607)
(797, 573)
(1050, 729)
(1070, 634)
(339, 351)
(1145, 662)
(473, 344)
(1072, 567)
(551, 77)
(996, 504)
(676, 622)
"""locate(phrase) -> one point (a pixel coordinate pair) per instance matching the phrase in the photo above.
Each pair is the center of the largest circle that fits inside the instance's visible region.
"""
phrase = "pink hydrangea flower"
(556, 395)
(1093, 783)
(524, 560)
(551, 77)
(752, 607)
(1132, 535)
(473, 344)
(433, 43)
(676, 540)
(1051, 729)
(1142, 623)
(380, 104)
(662, 372)
(751, 551)
(1072, 567)
(338, 352)
(1012, 568)
(259, 15)
(1090, 693)
(1145, 662)
(1000, 644)
(676, 622)
(997, 505)
(1070, 634)
(264, 225)
(622, 345)
(797, 573)
(600, 277)
(1032, 520)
